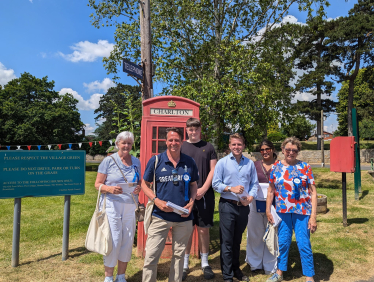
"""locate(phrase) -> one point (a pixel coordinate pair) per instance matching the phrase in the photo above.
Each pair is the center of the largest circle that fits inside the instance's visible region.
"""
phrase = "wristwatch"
(153, 200)
(229, 188)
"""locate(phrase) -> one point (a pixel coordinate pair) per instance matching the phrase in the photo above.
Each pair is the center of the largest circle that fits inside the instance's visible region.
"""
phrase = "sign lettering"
(42, 173)
(171, 112)
(132, 69)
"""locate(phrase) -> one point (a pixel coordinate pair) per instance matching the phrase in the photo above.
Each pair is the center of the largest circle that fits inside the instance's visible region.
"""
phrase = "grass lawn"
(340, 254)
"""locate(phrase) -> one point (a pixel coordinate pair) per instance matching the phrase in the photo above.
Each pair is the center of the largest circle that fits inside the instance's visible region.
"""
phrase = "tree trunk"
(319, 129)
(350, 105)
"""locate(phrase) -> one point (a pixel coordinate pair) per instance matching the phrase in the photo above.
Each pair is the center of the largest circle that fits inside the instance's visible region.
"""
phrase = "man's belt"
(238, 203)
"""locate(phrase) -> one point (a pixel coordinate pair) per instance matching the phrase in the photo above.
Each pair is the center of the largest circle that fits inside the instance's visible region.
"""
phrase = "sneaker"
(275, 278)
(107, 279)
(184, 275)
(208, 272)
(120, 279)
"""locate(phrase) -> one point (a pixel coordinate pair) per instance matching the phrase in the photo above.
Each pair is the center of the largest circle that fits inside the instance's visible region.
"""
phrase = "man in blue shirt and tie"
(235, 178)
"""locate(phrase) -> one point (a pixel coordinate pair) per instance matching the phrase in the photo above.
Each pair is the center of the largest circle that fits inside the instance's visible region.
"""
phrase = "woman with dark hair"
(258, 255)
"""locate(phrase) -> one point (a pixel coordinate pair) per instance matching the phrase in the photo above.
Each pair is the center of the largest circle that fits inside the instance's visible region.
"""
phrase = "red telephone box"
(160, 113)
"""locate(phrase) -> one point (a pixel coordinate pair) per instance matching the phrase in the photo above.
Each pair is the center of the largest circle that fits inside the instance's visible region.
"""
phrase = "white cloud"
(305, 96)
(87, 51)
(85, 105)
(100, 121)
(97, 85)
(89, 129)
(30, 1)
(6, 75)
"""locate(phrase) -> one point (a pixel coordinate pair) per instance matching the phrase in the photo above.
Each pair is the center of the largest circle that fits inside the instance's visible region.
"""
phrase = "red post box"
(160, 113)
(342, 154)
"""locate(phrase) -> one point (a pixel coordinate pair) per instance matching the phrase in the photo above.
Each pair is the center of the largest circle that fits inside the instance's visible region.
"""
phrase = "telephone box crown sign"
(172, 104)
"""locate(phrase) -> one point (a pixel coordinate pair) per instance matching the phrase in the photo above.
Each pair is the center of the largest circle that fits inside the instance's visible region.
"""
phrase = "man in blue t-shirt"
(176, 178)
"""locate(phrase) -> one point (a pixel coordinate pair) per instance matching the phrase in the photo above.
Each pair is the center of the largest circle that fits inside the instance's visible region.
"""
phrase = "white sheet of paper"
(127, 188)
(244, 194)
(276, 217)
(262, 191)
(177, 209)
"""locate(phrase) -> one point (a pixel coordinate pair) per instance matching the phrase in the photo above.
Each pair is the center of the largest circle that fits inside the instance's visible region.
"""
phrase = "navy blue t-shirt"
(166, 190)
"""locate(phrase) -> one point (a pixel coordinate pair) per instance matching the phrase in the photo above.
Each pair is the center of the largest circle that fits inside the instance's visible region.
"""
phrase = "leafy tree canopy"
(363, 100)
(32, 113)
(299, 127)
(219, 53)
(351, 44)
(113, 107)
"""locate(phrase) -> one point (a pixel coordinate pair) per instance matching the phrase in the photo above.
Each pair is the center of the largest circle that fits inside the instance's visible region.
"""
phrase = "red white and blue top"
(291, 183)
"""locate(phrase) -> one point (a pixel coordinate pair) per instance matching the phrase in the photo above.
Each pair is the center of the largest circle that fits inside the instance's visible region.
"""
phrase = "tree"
(312, 56)
(113, 107)
(32, 113)
(367, 129)
(213, 52)
(299, 127)
(351, 41)
(363, 100)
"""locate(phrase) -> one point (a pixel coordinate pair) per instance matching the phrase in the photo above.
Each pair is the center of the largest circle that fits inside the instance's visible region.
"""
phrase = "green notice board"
(41, 173)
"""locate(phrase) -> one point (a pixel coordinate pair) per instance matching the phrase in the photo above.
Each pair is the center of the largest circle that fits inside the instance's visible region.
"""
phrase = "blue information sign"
(41, 173)
(132, 69)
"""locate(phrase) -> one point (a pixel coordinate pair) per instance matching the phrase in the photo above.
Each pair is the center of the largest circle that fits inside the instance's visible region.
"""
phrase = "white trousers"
(122, 224)
(258, 255)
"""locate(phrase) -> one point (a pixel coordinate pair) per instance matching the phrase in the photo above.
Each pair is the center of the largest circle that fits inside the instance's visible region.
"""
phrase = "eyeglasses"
(266, 149)
(292, 150)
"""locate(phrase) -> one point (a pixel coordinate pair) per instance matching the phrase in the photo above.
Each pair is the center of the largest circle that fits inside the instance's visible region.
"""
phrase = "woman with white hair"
(120, 206)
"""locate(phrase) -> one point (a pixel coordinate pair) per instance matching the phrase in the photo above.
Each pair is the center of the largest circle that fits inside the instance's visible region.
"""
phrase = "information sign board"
(41, 173)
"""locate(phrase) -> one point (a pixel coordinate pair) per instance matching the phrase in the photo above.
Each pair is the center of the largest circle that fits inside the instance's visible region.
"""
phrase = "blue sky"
(56, 39)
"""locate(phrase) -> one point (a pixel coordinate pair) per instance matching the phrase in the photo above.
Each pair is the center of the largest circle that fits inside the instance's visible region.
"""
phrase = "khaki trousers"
(157, 233)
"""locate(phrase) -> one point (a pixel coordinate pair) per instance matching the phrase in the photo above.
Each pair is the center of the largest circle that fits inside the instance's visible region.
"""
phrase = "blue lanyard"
(136, 175)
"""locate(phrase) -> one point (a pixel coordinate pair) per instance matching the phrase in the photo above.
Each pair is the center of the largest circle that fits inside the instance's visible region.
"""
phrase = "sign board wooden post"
(41, 174)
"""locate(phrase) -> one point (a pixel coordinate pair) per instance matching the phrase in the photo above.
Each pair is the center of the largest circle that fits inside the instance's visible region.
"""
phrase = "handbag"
(140, 208)
(271, 239)
(150, 204)
(99, 237)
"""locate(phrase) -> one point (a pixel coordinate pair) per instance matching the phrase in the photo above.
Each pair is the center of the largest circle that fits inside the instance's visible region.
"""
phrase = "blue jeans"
(300, 224)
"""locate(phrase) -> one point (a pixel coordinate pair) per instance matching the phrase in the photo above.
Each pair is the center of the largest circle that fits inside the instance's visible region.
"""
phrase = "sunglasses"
(174, 172)
(266, 149)
(292, 150)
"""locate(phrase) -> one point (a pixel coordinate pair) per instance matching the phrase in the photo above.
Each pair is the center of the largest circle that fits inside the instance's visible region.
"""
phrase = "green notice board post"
(41, 174)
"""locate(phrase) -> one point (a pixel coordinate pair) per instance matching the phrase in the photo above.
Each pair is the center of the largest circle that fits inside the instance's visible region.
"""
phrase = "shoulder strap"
(263, 170)
(119, 169)
(154, 176)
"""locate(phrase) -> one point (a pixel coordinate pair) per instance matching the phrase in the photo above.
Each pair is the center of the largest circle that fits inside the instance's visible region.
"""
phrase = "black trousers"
(233, 220)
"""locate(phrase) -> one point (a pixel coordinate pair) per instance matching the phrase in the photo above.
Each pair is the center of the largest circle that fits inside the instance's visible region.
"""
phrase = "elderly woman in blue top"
(235, 177)
(292, 184)
(120, 207)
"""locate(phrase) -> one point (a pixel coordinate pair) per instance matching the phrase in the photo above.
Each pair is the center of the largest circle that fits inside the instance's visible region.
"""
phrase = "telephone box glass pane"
(161, 146)
(162, 133)
(154, 133)
(181, 129)
(154, 147)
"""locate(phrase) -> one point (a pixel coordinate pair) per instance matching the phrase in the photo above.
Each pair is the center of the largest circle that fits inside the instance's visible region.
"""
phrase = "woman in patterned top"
(292, 184)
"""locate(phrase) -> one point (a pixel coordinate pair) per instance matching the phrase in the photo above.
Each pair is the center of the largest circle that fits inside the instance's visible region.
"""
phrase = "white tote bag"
(99, 237)
(150, 204)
